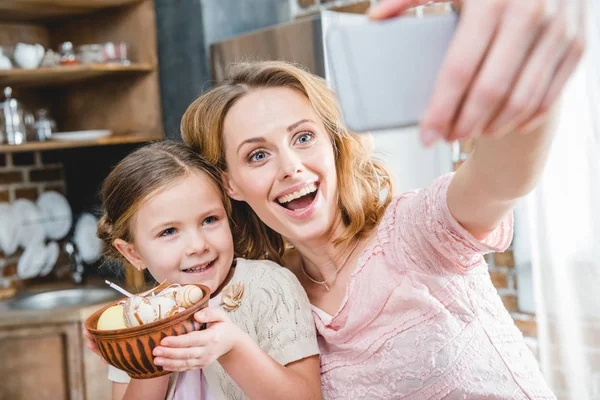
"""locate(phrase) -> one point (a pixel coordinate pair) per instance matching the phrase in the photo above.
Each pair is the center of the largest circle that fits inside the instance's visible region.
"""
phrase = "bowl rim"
(135, 330)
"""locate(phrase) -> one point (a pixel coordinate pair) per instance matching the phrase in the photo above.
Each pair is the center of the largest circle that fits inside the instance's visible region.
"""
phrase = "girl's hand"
(200, 348)
(92, 345)
(506, 66)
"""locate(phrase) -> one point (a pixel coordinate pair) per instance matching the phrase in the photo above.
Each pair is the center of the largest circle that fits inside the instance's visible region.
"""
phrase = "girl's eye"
(168, 232)
(305, 138)
(209, 221)
(257, 156)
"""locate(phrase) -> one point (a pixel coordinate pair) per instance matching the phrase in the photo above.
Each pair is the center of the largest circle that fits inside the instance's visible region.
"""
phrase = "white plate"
(86, 239)
(52, 251)
(81, 135)
(56, 214)
(33, 259)
(28, 221)
(9, 241)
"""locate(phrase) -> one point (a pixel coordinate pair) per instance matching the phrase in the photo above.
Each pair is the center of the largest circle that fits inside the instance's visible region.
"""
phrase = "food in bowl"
(163, 301)
(130, 348)
(112, 318)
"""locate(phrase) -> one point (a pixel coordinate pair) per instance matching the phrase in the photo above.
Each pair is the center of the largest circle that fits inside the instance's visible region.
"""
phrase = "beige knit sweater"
(277, 315)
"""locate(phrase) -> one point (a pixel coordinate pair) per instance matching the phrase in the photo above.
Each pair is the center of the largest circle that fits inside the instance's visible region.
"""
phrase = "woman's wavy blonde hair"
(364, 185)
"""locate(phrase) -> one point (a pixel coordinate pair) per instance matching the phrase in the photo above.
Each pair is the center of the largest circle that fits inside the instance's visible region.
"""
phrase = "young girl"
(165, 210)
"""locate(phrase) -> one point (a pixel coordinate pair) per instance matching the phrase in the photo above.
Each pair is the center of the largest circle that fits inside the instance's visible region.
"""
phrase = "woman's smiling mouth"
(299, 199)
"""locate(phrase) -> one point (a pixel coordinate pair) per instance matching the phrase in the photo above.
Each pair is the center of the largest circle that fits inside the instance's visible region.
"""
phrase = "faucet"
(77, 268)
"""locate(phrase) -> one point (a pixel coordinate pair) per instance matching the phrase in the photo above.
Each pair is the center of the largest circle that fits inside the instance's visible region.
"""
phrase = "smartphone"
(384, 71)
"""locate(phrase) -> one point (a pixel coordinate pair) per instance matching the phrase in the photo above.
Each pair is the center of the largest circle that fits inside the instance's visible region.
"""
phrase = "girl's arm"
(143, 389)
(118, 390)
(498, 172)
(261, 377)
(255, 372)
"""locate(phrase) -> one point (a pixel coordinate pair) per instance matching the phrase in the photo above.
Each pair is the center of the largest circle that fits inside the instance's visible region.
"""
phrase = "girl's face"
(181, 234)
(280, 161)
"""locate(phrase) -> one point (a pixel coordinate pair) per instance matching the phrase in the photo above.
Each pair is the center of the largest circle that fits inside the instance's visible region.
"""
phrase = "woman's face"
(280, 161)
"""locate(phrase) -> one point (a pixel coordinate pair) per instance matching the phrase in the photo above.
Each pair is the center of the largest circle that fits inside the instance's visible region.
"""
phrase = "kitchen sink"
(63, 298)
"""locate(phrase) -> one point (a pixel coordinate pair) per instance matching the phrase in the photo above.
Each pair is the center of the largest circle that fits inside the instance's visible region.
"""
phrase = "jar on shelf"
(91, 54)
(44, 125)
(117, 52)
(67, 55)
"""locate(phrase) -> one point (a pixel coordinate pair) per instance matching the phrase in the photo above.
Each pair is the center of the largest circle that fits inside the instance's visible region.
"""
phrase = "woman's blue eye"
(258, 156)
(168, 232)
(305, 138)
(209, 221)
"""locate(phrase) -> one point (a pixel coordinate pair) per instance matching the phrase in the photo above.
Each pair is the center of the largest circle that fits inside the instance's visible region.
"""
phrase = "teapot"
(28, 56)
(12, 120)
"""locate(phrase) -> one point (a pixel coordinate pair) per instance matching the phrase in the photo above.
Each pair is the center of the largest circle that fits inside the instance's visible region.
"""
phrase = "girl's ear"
(230, 187)
(128, 251)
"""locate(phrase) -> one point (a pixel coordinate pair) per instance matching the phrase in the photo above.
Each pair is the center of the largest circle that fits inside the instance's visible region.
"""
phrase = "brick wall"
(25, 175)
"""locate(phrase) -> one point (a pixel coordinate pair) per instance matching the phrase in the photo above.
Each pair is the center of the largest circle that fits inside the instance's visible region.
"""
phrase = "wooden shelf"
(65, 75)
(37, 10)
(62, 144)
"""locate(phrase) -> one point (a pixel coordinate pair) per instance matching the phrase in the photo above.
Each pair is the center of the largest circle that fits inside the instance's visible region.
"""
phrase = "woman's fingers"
(392, 8)
(507, 64)
(520, 26)
(539, 73)
(475, 31)
(567, 65)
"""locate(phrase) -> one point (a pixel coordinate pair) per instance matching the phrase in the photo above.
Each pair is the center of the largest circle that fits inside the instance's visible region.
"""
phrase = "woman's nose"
(290, 164)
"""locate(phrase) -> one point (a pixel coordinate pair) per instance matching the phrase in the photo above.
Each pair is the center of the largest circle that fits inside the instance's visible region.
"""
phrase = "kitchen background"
(150, 59)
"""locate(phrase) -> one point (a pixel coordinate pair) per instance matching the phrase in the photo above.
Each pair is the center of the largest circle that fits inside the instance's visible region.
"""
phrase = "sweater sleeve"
(117, 376)
(283, 317)
(427, 235)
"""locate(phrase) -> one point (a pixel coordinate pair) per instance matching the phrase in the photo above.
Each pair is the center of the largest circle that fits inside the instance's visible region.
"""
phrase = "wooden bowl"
(130, 349)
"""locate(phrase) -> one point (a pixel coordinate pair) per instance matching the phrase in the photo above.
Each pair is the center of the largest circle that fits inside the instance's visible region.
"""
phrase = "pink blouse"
(421, 318)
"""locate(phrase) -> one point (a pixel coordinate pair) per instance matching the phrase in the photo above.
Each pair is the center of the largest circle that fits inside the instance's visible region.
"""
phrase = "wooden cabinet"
(123, 98)
(47, 359)
(41, 362)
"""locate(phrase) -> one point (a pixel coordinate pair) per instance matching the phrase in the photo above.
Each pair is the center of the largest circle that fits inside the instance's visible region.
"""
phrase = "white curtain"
(558, 233)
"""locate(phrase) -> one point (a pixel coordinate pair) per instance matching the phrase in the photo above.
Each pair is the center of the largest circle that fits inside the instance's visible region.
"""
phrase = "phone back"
(384, 72)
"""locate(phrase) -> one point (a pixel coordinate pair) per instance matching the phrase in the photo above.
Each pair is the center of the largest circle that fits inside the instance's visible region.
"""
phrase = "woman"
(400, 291)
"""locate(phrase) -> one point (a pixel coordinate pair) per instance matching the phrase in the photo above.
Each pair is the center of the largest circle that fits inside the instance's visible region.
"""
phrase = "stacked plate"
(85, 238)
(9, 240)
(38, 259)
(27, 225)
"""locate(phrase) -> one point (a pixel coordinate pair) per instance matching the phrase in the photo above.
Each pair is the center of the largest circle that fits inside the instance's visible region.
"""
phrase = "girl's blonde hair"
(364, 185)
(139, 175)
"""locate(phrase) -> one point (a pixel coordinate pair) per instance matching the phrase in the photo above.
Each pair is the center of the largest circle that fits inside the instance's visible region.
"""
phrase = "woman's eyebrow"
(250, 141)
(296, 124)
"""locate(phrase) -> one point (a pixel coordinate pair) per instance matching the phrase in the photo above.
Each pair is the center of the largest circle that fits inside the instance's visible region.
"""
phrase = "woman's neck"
(321, 259)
